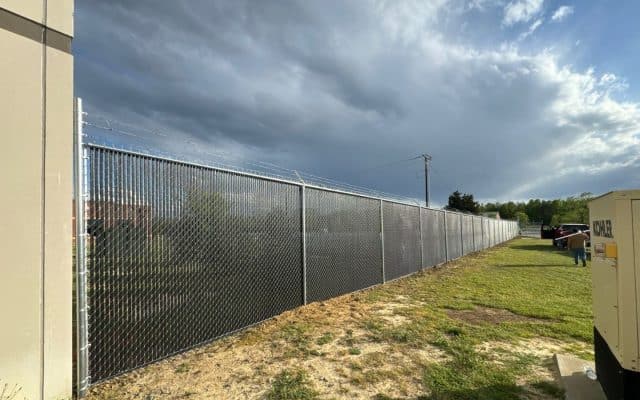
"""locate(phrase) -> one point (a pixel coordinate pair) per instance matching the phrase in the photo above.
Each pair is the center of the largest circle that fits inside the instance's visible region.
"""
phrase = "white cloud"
(561, 13)
(597, 137)
(407, 20)
(529, 32)
(521, 11)
(482, 5)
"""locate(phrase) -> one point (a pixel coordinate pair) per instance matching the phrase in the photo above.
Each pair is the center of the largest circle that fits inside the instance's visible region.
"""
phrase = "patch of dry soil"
(541, 348)
(480, 315)
(243, 366)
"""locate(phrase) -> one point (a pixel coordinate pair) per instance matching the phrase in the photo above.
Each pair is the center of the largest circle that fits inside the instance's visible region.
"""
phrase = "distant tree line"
(551, 212)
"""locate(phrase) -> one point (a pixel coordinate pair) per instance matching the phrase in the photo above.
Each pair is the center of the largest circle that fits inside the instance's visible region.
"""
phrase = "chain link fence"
(402, 245)
(434, 242)
(180, 254)
(454, 235)
(533, 230)
(176, 254)
(466, 226)
(477, 234)
(343, 243)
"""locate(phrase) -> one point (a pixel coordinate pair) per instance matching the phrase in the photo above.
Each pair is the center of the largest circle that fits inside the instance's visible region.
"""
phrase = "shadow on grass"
(537, 265)
(493, 392)
(538, 247)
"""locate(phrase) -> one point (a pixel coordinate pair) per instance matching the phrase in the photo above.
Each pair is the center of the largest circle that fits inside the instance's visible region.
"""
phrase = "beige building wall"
(36, 133)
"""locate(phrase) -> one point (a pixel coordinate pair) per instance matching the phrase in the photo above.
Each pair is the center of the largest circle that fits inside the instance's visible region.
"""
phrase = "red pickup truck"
(560, 231)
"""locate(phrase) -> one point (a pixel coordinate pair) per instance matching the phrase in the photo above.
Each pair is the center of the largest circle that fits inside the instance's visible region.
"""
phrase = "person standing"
(575, 244)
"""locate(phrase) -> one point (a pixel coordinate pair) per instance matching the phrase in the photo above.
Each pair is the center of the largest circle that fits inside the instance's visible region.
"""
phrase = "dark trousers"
(579, 254)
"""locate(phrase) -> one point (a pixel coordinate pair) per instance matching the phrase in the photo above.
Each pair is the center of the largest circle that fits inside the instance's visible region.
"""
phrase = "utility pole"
(427, 161)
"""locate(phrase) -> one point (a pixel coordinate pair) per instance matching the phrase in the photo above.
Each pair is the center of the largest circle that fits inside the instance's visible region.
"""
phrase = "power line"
(387, 164)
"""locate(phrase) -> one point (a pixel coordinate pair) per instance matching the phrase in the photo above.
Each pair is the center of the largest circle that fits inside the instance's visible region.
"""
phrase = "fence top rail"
(270, 178)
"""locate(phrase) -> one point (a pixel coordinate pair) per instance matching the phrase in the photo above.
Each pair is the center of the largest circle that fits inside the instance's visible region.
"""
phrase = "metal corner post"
(82, 318)
(382, 238)
(303, 213)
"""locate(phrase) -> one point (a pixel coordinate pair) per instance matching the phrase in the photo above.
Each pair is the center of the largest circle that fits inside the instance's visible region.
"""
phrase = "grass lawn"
(482, 327)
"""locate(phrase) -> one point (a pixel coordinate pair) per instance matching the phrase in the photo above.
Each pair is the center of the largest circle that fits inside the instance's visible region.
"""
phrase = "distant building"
(107, 214)
(491, 214)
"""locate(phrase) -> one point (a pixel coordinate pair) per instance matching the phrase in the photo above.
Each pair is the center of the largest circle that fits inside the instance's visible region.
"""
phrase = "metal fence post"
(303, 213)
(82, 318)
(421, 240)
(303, 228)
(382, 238)
(473, 232)
(461, 235)
(446, 234)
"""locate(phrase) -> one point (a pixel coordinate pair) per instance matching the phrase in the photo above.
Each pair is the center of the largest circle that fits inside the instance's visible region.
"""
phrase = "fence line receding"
(177, 254)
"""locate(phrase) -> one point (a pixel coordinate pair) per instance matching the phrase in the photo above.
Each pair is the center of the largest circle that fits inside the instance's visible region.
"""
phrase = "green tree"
(508, 210)
(463, 202)
(455, 201)
(522, 217)
(553, 212)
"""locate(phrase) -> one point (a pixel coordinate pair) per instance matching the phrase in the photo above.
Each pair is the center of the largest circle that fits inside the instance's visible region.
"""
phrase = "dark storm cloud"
(340, 88)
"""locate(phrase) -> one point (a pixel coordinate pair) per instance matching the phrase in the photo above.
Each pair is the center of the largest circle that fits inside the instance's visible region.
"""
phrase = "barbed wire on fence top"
(108, 132)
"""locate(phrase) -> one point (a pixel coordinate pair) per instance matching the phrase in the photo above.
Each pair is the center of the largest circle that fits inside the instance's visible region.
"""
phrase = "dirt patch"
(486, 315)
(391, 312)
(325, 339)
(543, 349)
(395, 320)
(537, 347)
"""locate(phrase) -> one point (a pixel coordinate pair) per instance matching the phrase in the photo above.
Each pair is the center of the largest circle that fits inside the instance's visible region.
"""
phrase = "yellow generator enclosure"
(615, 254)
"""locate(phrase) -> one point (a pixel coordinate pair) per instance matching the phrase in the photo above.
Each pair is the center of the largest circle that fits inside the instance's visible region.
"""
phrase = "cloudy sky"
(513, 99)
